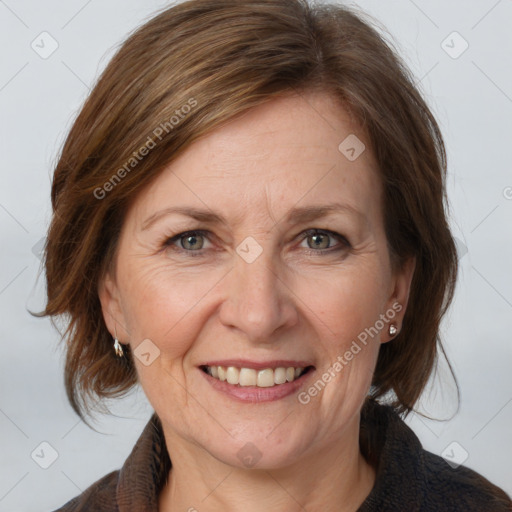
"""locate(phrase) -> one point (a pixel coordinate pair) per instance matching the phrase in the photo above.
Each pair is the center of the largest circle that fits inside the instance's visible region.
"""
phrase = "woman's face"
(283, 264)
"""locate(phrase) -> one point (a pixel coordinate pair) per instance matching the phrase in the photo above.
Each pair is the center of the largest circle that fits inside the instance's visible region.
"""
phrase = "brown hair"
(220, 59)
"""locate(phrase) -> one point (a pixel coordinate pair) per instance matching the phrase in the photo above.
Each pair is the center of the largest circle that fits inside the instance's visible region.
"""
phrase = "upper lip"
(259, 365)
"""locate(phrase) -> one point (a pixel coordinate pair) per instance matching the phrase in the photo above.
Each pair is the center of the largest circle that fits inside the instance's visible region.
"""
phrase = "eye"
(189, 241)
(323, 240)
(192, 242)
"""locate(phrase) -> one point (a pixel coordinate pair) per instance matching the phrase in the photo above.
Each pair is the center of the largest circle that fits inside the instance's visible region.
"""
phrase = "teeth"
(232, 375)
(249, 377)
(265, 378)
(280, 375)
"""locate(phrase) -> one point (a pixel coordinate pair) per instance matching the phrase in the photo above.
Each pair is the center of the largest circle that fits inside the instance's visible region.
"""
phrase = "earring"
(117, 346)
(392, 330)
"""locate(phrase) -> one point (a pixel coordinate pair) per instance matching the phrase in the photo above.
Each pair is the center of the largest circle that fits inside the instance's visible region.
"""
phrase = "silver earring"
(392, 330)
(117, 346)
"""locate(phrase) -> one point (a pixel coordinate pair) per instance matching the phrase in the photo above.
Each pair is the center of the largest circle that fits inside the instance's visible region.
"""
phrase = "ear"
(399, 297)
(111, 306)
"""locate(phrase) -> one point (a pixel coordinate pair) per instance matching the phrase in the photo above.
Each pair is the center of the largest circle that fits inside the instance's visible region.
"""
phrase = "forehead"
(284, 152)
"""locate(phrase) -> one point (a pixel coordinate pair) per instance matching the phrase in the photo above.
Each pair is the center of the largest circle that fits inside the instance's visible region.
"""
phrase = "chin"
(256, 452)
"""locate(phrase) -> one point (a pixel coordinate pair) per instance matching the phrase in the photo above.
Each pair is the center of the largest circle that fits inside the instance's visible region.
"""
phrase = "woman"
(249, 220)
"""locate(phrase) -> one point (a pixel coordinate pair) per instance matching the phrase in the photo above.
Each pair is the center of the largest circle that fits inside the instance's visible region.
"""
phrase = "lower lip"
(254, 393)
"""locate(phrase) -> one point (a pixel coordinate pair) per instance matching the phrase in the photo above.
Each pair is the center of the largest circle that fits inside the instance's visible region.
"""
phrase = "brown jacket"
(409, 479)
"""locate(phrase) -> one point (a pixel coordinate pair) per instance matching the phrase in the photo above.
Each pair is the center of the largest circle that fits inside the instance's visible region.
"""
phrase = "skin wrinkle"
(288, 303)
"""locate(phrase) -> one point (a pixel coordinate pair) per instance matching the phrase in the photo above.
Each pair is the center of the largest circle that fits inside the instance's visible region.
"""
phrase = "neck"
(334, 478)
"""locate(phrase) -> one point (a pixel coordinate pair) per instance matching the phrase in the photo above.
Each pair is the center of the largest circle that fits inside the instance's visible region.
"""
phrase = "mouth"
(271, 376)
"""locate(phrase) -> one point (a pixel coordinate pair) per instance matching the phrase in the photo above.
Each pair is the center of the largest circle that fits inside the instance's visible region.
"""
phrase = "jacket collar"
(145, 471)
(396, 451)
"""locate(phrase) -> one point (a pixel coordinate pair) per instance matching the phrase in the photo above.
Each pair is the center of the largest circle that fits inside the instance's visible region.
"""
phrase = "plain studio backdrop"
(52, 52)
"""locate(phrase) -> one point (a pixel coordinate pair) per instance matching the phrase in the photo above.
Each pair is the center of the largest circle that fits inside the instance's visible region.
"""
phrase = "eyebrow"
(308, 213)
(295, 216)
(201, 215)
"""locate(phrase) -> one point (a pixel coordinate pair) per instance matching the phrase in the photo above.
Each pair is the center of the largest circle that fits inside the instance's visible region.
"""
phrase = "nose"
(258, 302)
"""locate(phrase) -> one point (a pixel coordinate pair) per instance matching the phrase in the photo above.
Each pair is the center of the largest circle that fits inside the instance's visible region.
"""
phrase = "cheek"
(344, 302)
(341, 307)
(162, 303)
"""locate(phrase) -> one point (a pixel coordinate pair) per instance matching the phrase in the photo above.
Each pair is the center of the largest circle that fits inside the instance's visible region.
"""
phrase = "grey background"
(471, 96)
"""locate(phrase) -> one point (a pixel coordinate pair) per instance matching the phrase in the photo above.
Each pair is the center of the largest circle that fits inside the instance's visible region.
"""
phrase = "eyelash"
(343, 242)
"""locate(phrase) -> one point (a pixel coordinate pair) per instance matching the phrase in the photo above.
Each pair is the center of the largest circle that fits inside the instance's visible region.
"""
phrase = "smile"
(264, 378)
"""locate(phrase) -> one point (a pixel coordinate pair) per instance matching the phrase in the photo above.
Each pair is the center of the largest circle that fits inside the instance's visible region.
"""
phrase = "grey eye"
(192, 242)
(319, 241)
